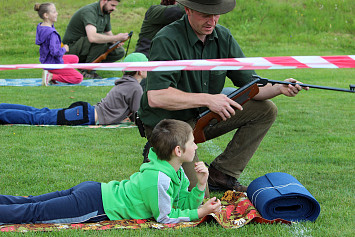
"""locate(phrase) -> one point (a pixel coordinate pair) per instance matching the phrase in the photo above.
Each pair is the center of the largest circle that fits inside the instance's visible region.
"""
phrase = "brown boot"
(218, 181)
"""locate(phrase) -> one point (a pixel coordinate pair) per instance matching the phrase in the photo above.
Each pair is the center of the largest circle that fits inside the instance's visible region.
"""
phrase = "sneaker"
(46, 78)
(90, 74)
(218, 181)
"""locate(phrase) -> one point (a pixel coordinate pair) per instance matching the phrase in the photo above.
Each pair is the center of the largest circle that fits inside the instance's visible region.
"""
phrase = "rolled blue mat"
(280, 195)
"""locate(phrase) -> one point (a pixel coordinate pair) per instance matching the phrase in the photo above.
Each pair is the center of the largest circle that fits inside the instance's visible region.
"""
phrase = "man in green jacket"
(159, 190)
(89, 34)
(185, 94)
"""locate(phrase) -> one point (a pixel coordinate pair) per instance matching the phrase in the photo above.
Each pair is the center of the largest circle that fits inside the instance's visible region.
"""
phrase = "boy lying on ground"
(159, 189)
(122, 100)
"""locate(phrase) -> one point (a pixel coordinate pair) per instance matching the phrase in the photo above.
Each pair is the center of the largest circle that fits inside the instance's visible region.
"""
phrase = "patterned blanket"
(237, 211)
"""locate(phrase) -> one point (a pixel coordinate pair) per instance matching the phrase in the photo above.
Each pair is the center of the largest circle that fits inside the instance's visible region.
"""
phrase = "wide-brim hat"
(215, 7)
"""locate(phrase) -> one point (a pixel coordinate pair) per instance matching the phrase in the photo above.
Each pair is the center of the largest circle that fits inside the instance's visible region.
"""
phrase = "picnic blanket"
(237, 211)
(38, 82)
(280, 195)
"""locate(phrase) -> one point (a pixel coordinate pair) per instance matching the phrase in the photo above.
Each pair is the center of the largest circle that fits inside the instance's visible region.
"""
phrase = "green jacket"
(178, 41)
(89, 14)
(155, 191)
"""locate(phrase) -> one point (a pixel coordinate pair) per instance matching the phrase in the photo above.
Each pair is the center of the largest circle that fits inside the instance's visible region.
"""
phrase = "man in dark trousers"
(184, 94)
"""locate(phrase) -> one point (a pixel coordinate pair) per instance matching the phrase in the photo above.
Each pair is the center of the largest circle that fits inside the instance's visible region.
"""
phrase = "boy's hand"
(211, 206)
(202, 175)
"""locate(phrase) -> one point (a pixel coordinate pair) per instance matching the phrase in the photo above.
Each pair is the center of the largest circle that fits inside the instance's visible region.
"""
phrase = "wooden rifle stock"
(209, 118)
(110, 49)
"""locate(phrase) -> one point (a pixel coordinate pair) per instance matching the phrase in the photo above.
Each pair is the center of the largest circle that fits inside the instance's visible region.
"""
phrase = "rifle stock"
(209, 118)
(110, 49)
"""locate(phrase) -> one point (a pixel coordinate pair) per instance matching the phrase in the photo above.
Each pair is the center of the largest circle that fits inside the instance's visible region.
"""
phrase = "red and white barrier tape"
(252, 63)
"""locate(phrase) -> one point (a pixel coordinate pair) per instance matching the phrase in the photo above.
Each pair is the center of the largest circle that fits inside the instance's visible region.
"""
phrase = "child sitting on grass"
(158, 190)
(51, 50)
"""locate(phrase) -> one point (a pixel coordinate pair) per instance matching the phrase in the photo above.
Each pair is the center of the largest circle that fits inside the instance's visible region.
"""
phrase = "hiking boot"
(218, 181)
(90, 74)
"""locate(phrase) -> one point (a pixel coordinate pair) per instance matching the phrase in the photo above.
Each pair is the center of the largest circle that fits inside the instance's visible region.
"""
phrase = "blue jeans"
(82, 203)
(22, 114)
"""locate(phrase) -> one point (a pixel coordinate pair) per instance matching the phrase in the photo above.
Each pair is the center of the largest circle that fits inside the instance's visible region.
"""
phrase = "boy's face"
(190, 149)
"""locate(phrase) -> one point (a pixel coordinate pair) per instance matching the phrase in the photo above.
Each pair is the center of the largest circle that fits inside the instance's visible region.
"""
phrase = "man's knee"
(270, 110)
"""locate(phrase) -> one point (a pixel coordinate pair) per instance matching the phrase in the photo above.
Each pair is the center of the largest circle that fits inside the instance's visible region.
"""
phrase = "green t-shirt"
(90, 14)
(178, 41)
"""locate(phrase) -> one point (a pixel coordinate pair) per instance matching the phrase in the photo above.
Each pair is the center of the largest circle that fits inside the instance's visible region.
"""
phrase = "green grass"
(312, 138)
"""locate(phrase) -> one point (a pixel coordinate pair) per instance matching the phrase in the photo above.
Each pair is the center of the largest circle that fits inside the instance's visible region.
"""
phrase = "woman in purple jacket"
(51, 50)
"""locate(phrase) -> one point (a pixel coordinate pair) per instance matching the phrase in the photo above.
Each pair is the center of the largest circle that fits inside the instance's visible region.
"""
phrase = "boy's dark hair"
(168, 134)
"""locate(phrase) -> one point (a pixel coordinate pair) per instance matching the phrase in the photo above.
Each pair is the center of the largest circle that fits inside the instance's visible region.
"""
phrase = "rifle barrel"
(264, 81)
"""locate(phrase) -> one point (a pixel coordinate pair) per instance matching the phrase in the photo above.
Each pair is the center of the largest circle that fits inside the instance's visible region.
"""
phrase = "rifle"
(264, 81)
(243, 95)
(110, 49)
(209, 118)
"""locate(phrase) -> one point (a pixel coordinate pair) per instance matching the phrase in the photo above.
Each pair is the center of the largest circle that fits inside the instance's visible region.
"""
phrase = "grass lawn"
(312, 138)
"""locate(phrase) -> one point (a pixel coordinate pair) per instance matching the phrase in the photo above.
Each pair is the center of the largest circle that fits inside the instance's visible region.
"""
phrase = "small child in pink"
(51, 50)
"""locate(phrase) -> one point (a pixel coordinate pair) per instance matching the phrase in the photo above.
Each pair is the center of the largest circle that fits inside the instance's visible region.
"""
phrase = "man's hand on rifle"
(290, 90)
(121, 37)
(223, 106)
(270, 90)
(120, 44)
